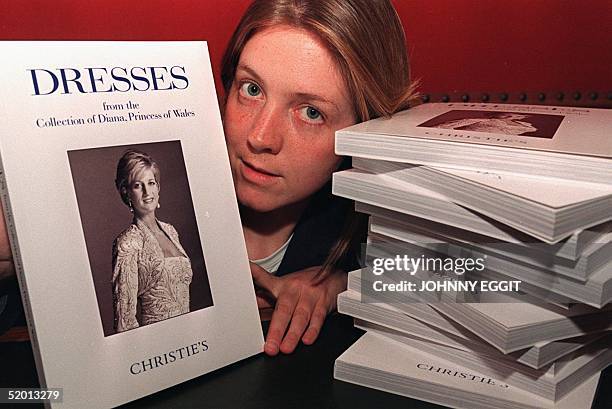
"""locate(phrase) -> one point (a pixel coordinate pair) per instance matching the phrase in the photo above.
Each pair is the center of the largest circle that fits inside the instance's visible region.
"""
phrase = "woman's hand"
(300, 303)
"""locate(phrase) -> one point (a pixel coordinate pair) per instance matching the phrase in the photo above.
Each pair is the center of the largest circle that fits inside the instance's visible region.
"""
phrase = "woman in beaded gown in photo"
(151, 271)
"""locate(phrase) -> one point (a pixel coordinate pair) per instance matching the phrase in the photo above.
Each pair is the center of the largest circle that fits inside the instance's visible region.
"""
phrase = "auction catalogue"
(122, 217)
(561, 142)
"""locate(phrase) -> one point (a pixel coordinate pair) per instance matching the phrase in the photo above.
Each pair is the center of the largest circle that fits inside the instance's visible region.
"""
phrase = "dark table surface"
(303, 379)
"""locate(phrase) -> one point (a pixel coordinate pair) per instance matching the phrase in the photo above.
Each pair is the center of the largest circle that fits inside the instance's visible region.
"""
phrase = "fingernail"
(309, 337)
(271, 348)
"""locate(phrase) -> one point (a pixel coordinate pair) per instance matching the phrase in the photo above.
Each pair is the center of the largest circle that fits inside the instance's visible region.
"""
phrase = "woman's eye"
(250, 89)
(311, 114)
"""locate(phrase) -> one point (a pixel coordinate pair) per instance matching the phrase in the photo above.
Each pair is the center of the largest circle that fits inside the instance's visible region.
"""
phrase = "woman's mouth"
(256, 174)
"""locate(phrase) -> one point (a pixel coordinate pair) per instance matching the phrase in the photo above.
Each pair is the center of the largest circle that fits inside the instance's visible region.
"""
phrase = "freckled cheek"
(321, 153)
(315, 166)
(236, 124)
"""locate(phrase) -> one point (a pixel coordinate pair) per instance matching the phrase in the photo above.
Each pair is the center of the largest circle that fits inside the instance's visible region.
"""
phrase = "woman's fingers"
(316, 322)
(299, 322)
(300, 307)
(283, 311)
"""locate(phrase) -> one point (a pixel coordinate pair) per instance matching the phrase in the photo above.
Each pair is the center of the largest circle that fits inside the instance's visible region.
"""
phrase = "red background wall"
(458, 48)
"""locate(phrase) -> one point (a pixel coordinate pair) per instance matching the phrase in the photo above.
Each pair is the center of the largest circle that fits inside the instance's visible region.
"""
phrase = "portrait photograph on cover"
(140, 230)
(498, 122)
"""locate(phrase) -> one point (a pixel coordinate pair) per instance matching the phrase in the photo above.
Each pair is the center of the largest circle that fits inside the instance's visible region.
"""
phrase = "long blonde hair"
(365, 37)
(367, 41)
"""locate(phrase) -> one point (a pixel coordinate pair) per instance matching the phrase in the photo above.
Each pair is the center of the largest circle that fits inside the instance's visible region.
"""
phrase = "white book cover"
(563, 142)
(374, 190)
(562, 350)
(382, 363)
(508, 326)
(594, 256)
(514, 326)
(535, 205)
(68, 112)
(595, 291)
(398, 196)
(549, 384)
(567, 130)
(421, 311)
(393, 311)
(383, 245)
(571, 248)
(370, 315)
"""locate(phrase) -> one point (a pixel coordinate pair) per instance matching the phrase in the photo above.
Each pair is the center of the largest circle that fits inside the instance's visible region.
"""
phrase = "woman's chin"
(269, 203)
(144, 213)
(259, 201)
(259, 206)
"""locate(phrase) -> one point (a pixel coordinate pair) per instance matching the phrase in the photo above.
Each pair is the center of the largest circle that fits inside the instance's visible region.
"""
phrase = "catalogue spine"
(17, 261)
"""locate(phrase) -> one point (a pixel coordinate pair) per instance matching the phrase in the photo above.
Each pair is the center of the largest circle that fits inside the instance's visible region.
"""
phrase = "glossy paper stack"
(526, 188)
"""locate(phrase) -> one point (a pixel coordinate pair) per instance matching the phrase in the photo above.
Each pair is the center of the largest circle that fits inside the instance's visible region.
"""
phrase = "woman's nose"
(266, 133)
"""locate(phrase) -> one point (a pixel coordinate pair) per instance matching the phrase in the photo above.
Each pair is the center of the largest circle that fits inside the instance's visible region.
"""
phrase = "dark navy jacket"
(317, 232)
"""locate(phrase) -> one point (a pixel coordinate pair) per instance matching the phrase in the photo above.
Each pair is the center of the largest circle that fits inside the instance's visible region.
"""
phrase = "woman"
(151, 271)
(294, 72)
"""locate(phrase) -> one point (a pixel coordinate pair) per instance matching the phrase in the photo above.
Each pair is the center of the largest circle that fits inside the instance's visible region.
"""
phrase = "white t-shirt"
(273, 261)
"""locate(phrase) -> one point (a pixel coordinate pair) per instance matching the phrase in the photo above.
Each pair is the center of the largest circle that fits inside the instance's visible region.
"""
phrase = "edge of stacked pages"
(382, 363)
(563, 142)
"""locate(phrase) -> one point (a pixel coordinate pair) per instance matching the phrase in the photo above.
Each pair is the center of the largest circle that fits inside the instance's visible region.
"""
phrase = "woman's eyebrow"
(250, 71)
(315, 97)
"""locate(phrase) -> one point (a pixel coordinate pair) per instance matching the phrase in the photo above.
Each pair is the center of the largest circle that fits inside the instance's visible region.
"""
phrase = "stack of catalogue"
(526, 193)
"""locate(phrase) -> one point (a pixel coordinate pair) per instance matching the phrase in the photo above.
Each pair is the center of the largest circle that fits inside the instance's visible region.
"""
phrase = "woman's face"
(144, 193)
(285, 104)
